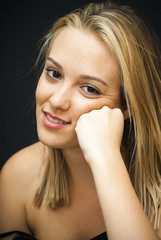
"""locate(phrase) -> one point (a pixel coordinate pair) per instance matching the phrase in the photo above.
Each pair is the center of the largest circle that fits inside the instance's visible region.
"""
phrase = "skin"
(69, 97)
(102, 197)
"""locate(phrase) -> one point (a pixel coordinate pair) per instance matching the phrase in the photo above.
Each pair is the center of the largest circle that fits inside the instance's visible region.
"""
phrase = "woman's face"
(80, 75)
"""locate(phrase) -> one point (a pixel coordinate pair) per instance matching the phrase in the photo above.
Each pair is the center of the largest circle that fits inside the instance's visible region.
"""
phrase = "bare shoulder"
(24, 160)
(16, 177)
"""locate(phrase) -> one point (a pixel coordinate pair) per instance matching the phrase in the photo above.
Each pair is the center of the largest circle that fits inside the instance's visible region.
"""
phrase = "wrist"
(104, 158)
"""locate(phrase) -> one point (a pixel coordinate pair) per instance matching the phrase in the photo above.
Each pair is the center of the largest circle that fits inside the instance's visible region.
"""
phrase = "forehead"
(84, 49)
(80, 40)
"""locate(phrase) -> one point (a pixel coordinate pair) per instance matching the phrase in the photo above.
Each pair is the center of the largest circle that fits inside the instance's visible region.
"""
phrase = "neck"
(78, 169)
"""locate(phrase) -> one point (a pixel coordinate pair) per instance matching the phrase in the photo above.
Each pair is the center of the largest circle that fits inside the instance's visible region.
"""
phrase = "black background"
(23, 24)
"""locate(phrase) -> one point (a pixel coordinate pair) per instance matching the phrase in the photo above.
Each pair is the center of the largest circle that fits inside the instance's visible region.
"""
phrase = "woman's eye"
(91, 90)
(52, 73)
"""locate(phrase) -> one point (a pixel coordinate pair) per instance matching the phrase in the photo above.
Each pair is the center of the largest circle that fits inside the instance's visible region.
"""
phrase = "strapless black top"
(25, 236)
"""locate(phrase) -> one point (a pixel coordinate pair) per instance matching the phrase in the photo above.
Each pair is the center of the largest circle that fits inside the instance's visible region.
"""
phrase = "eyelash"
(94, 92)
(53, 71)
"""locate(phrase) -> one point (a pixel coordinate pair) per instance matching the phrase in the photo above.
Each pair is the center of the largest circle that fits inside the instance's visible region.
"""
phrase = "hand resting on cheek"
(100, 131)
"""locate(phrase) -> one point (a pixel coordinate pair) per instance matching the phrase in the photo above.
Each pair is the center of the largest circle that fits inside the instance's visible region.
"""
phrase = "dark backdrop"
(23, 24)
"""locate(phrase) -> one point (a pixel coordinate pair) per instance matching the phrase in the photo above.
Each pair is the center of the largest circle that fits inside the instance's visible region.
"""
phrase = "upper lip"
(55, 117)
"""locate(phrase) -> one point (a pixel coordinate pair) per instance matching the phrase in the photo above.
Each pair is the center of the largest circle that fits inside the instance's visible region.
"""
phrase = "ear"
(126, 114)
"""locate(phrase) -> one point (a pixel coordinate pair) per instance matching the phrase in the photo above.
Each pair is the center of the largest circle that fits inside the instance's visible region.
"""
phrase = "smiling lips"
(53, 122)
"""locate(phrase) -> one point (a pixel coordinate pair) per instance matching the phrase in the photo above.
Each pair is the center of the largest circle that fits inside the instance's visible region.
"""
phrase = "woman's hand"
(100, 131)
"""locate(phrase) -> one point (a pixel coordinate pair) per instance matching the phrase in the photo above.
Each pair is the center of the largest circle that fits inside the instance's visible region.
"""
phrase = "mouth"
(55, 119)
(54, 122)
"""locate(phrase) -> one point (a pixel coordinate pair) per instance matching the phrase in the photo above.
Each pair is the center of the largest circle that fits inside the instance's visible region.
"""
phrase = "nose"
(61, 98)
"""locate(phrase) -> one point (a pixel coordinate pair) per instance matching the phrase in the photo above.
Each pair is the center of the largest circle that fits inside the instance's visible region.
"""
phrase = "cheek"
(42, 93)
(82, 106)
(86, 105)
(39, 94)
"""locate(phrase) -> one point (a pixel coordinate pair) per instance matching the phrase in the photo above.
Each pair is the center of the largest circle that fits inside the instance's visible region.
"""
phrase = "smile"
(53, 121)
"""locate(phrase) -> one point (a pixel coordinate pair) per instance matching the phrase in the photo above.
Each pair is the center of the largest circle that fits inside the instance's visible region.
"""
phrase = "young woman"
(96, 169)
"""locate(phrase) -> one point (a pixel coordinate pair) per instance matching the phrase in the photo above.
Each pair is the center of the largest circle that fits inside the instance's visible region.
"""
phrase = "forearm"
(100, 135)
(123, 214)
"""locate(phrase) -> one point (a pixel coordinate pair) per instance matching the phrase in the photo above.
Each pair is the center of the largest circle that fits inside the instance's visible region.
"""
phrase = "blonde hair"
(134, 47)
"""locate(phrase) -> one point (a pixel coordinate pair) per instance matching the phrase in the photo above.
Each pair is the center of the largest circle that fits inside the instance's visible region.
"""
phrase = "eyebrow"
(82, 76)
(95, 79)
(54, 62)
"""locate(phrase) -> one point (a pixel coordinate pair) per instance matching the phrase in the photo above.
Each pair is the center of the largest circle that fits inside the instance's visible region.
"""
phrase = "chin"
(56, 141)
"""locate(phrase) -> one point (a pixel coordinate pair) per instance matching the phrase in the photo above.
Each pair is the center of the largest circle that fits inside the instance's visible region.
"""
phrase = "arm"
(123, 214)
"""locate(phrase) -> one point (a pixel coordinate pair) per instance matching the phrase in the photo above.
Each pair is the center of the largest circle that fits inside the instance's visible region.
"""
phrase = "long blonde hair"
(134, 47)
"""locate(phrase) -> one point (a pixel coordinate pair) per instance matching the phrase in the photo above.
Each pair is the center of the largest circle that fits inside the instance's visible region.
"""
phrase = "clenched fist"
(99, 132)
